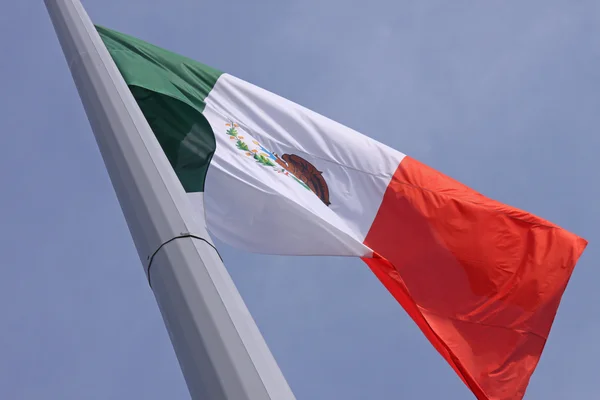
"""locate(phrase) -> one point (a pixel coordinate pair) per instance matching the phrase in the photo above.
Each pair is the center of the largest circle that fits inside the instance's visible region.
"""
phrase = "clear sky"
(501, 95)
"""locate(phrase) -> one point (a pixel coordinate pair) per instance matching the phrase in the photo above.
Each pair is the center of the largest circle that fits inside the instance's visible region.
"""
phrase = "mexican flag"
(481, 279)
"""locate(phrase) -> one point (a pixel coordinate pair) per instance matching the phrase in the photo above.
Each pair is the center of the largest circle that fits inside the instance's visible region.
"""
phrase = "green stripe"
(170, 90)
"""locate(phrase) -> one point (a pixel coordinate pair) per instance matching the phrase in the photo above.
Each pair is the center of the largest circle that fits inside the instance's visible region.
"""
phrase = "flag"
(481, 279)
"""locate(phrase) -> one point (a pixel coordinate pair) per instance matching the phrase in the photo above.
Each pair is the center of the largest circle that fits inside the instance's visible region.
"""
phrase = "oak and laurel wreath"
(259, 158)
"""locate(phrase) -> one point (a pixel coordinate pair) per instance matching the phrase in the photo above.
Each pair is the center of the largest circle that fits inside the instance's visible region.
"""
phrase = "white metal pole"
(219, 347)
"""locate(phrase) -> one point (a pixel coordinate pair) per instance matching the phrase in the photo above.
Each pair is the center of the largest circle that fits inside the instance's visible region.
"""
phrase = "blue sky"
(501, 95)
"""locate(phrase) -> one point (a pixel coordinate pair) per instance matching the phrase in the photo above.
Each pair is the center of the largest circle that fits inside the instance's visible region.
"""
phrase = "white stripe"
(255, 207)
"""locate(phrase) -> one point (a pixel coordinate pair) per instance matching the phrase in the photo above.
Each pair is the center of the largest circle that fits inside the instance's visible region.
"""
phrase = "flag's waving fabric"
(482, 280)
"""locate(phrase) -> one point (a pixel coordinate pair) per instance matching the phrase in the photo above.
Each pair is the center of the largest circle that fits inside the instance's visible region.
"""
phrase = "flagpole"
(219, 347)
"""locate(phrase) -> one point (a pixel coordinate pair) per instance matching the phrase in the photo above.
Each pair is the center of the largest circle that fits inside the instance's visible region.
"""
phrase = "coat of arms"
(290, 165)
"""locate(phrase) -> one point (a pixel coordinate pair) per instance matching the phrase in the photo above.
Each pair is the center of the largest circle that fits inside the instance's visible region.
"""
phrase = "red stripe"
(481, 279)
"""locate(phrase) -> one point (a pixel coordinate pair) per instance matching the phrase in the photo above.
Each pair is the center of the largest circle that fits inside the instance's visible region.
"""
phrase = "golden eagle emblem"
(306, 172)
(290, 165)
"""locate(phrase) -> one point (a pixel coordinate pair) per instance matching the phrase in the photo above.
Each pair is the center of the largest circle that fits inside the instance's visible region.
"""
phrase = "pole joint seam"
(182, 236)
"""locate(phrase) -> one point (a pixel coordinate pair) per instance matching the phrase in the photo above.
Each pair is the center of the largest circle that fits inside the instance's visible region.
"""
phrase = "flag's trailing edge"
(482, 280)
